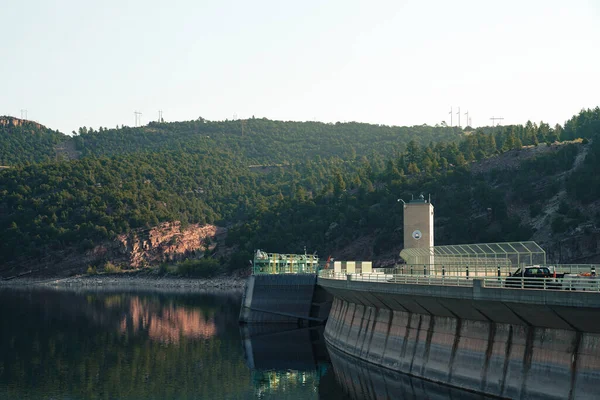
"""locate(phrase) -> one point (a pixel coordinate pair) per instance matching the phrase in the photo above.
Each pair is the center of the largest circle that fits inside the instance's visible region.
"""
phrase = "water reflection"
(111, 345)
(166, 324)
(290, 357)
(285, 359)
(127, 346)
(362, 380)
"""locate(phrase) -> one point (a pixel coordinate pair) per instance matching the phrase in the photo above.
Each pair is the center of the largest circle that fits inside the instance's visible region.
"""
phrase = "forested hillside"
(49, 206)
(23, 142)
(262, 141)
(524, 193)
(329, 190)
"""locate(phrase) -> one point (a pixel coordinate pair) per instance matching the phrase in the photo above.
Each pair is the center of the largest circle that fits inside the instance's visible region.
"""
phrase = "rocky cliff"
(12, 121)
(168, 241)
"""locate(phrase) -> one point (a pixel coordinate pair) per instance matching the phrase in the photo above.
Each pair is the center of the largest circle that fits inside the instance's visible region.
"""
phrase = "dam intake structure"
(282, 289)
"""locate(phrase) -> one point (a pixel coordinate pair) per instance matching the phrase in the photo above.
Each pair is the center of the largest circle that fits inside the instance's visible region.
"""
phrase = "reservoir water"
(107, 344)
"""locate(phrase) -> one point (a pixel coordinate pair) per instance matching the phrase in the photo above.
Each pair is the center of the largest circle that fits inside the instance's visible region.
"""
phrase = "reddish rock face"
(12, 121)
(167, 242)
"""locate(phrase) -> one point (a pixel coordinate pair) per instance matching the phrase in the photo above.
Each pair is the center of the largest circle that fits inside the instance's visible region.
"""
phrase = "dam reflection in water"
(280, 355)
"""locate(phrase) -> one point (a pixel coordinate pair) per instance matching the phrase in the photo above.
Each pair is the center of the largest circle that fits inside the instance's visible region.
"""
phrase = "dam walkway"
(572, 278)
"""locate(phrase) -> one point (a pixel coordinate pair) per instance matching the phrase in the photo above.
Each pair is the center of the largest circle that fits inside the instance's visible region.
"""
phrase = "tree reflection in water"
(107, 345)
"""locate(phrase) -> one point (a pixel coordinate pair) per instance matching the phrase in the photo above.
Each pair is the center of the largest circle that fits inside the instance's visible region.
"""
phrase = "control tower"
(418, 223)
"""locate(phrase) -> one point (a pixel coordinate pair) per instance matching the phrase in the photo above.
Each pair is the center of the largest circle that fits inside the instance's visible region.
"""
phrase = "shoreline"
(129, 281)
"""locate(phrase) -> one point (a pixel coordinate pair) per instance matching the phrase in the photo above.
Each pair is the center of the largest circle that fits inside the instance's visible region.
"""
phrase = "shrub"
(563, 207)
(574, 213)
(163, 269)
(203, 268)
(110, 268)
(239, 260)
(535, 209)
(91, 270)
(559, 224)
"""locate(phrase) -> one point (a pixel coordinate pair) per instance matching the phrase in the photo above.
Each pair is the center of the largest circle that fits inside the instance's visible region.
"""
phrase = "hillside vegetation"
(262, 141)
(24, 142)
(326, 187)
(507, 202)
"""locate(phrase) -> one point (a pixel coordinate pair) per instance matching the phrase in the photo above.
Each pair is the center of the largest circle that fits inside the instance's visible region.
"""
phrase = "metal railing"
(450, 270)
(473, 271)
(572, 283)
(397, 278)
(569, 282)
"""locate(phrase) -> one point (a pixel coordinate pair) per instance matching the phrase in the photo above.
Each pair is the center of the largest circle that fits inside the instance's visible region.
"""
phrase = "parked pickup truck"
(535, 277)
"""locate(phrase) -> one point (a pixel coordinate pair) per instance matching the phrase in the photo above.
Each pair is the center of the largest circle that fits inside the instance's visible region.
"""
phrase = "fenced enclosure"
(481, 259)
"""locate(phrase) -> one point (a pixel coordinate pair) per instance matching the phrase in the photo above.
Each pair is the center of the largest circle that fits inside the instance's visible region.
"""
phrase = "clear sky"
(75, 63)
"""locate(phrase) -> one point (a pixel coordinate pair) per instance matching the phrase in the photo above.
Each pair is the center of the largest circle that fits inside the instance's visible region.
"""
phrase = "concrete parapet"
(543, 308)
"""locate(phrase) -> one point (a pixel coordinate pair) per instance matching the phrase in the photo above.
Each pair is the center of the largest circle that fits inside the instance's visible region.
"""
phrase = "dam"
(453, 315)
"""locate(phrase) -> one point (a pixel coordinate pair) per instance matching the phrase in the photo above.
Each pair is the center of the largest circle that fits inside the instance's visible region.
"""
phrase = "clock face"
(417, 234)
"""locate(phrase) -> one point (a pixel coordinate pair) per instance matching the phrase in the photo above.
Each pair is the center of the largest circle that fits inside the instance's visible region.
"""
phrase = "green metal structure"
(275, 263)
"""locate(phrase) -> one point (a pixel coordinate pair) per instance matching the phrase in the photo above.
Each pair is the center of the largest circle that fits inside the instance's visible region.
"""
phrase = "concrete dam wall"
(482, 346)
(284, 299)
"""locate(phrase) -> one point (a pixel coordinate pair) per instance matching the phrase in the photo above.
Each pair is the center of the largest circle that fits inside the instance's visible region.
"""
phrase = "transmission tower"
(160, 117)
(138, 118)
(494, 119)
